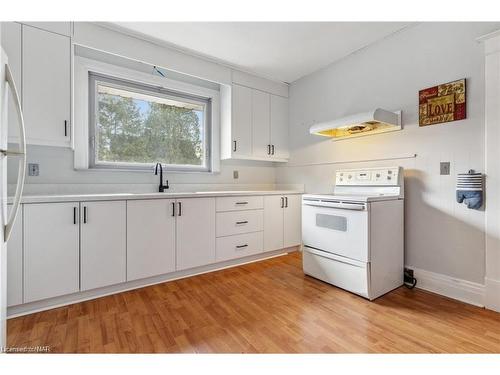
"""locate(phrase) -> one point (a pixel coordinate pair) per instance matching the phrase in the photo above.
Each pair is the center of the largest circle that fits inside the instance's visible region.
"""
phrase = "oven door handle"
(343, 206)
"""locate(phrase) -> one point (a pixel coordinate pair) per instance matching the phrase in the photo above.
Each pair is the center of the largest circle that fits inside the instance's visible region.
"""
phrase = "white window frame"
(81, 144)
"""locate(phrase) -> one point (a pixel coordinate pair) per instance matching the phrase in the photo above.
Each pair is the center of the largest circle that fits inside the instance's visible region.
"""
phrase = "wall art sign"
(442, 103)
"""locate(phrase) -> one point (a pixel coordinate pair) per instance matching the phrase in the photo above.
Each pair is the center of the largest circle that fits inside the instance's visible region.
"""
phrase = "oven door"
(337, 227)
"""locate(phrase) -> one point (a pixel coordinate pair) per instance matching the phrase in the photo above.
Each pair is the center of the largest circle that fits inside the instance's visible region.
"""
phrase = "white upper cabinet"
(46, 88)
(279, 127)
(261, 146)
(255, 127)
(195, 232)
(102, 244)
(241, 145)
(11, 43)
(50, 250)
(150, 238)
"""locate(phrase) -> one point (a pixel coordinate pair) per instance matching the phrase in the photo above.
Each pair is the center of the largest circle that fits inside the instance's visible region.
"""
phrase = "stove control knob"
(388, 177)
(377, 175)
(389, 172)
(349, 177)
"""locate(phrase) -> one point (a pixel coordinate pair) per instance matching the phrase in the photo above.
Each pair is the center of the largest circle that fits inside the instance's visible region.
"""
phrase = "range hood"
(367, 123)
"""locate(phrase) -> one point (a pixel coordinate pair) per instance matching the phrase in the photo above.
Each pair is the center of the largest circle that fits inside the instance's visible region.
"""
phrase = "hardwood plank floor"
(264, 307)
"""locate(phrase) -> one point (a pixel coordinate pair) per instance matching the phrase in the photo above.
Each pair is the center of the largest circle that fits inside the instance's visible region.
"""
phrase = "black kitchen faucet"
(162, 187)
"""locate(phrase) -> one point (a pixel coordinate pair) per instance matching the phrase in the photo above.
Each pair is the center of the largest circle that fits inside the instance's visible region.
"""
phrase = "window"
(134, 126)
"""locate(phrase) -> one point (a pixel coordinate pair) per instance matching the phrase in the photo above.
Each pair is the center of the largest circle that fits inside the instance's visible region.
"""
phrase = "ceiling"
(284, 51)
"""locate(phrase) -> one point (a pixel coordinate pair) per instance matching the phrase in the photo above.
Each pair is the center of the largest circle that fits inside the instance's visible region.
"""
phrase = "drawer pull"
(241, 246)
(242, 222)
(241, 202)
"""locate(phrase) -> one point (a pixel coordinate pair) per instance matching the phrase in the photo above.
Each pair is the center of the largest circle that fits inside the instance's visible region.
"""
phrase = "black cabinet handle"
(241, 202)
(84, 214)
(269, 149)
(242, 222)
(234, 146)
(286, 202)
(272, 152)
(180, 208)
(241, 246)
(282, 202)
(65, 128)
(74, 215)
(173, 208)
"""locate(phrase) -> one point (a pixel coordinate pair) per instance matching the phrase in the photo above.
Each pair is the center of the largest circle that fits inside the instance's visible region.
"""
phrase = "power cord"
(412, 281)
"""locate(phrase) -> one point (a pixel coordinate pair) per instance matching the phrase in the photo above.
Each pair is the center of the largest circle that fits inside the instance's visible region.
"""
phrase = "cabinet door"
(102, 244)
(292, 227)
(46, 87)
(273, 222)
(150, 238)
(15, 262)
(279, 127)
(195, 239)
(242, 121)
(260, 124)
(50, 250)
(11, 43)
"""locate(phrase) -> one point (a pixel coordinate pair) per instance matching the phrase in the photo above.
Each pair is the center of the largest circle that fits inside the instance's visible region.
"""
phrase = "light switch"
(444, 168)
(236, 175)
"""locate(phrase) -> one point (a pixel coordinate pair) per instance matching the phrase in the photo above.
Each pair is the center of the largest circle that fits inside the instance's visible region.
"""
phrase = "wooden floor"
(265, 307)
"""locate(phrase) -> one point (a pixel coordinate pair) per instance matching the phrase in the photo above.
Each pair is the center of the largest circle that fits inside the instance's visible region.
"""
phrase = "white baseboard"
(462, 290)
(492, 294)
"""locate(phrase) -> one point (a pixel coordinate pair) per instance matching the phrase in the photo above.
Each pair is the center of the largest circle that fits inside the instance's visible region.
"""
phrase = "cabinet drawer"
(342, 272)
(239, 203)
(239, 246)
(237, 222)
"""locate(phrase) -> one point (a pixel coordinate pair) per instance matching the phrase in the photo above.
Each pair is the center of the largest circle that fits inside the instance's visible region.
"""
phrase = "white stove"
(354, 238)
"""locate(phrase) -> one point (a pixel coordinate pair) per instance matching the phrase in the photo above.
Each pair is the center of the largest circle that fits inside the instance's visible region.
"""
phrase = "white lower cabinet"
(282, 221)
(150, 238)
(239, 246)
(15, 262)
(195, 232)
(292, 221)
(102, 244)
(50, 250)
(63, 248)
(237, 222)
(273, 222)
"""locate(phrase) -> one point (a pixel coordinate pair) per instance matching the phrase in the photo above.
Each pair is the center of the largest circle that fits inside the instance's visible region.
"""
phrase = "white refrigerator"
(8, 92)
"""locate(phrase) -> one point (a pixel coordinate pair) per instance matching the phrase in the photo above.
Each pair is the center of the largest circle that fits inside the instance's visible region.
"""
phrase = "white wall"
(57, 176)
(442, 236)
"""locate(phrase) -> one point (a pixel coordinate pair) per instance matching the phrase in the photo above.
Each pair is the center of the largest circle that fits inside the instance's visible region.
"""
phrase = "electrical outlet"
(236, 175)
(33, 169)
(444, 168)
(408, 275)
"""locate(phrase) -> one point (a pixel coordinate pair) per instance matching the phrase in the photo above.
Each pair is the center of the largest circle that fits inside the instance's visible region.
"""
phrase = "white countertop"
(135, 196)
